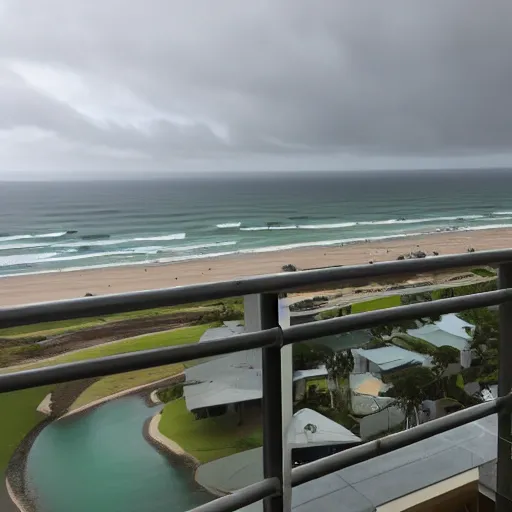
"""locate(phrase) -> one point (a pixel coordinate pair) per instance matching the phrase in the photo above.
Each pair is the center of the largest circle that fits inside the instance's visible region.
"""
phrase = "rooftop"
(326, 431)
(450, 331)
(370, 484)
(391, 357)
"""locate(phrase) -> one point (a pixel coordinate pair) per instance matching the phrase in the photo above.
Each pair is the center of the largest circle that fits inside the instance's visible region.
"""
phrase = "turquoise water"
(101, 462)
(61, 226)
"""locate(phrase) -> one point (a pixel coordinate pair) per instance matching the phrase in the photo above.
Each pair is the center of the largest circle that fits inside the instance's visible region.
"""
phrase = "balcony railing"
(272, 337)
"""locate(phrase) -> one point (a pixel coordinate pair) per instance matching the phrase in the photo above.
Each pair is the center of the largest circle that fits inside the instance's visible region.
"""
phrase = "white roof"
(391, 357)
(224, 380)
(320, 431)
(452, 324)
(448, 331)
(321, 371)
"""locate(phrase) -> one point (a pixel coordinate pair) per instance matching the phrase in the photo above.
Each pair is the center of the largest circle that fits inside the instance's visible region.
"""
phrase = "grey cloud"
(283, 78)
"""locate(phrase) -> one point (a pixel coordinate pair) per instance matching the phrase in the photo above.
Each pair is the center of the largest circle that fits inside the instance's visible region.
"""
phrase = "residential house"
(449, 331)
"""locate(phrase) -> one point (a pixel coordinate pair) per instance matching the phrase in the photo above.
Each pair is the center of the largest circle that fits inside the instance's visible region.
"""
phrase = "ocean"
(61, 226)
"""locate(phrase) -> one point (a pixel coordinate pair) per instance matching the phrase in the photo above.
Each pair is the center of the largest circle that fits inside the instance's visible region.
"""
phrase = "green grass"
(53, 328)
(117, 383)
(374, 304)
(19, 417)
(320, 383)
(483, 272)
(180, 336)
(210, 438)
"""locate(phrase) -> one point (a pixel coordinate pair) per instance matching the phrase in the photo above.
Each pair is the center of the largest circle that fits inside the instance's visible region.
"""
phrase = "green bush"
(169, 394)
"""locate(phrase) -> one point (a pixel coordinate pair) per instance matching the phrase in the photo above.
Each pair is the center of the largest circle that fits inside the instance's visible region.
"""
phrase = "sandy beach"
(68, 285)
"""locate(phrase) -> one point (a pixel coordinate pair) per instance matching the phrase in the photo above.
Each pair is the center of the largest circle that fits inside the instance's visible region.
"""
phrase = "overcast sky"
(126, 87)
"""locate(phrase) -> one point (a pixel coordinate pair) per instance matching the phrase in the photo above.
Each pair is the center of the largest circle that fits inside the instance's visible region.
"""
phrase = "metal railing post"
(272, 413)
(504, 464)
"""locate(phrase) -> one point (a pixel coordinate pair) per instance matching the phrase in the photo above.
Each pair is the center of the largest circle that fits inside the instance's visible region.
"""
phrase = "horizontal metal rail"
(243, 497)
(157, 357)
(124, 302)
(368, 319)
(138, 360)
(393, 442)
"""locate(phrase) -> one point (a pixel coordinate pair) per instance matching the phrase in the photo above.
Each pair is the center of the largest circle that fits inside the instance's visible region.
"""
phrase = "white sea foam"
(339, 225)
(175, 236)
(485, 226)
(10, 247)
(269, 228)
(26, 237)
(132, 256)
(200, 246)
(228, 225)
(25, 259)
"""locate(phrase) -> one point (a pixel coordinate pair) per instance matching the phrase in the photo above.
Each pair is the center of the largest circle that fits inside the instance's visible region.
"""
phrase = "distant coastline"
(74, 284)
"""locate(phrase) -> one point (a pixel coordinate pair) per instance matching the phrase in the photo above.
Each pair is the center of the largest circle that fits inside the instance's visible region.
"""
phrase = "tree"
(339, 365)
(443, 357)
(308, 356)
(410, 388)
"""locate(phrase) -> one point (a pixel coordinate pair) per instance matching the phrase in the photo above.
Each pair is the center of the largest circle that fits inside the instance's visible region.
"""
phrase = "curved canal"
(100, 461)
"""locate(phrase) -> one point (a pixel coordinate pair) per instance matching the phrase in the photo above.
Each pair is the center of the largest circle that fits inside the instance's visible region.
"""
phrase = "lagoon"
(100, 461)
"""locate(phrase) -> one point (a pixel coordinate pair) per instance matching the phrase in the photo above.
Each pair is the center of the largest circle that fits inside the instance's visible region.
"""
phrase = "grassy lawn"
(211, 438)
(484, 272)
(116, 383)
(19, 417)
(52, 328)
(379, 303)
(180, 336)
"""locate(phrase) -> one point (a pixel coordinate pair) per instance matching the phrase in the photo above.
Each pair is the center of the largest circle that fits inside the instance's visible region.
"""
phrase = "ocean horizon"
(62, 226)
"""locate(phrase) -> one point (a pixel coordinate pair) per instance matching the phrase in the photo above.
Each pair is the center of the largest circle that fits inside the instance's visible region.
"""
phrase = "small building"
(301, 378)
(312, 436)
(450, 331)
(379, 361)
(434, 409)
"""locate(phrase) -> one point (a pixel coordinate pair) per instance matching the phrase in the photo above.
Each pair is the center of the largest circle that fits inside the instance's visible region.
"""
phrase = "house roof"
(369, 484)
(391, 357)
(367, 384)
(344, 341)
(224, 380)
(448, 331)
(452, 324)
(326, 431)
(231, 378)
(321, 371)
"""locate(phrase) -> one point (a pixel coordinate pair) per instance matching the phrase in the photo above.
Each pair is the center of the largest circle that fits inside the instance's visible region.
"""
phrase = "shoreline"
(33, 288)
(155, 437)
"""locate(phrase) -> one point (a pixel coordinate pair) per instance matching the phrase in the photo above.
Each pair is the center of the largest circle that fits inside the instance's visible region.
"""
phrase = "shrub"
(169, 394)
(289, 268)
